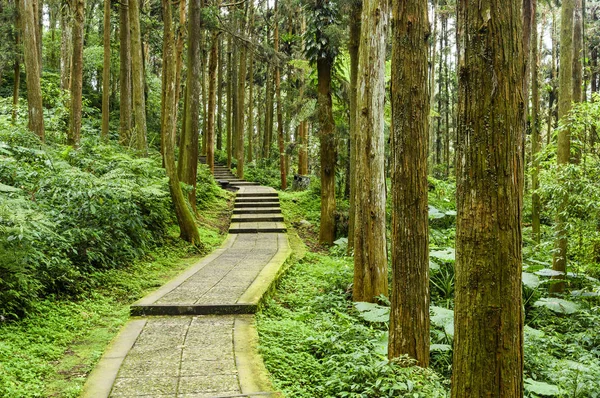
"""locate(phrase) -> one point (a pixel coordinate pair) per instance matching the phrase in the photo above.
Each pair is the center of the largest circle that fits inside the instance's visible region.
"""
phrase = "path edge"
(100, 381)
(252, 373)
(269, 275)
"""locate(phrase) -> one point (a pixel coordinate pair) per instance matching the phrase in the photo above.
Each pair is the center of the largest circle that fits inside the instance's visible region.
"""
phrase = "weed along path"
(195, 336)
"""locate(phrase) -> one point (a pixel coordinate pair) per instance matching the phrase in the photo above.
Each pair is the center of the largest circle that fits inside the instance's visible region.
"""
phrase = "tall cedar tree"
(138, 79)
(370, 251)
(77, 78)
(280, 143)
(565, 92)
(241, 102)
(187, 167)
(353, 44)
(328, 153)
(488, 317)
(66, 44)
(125, 74)
(106, 72)
(32, 65)
(185, 218)
(409, 315)
(535, 126)
(212, 97)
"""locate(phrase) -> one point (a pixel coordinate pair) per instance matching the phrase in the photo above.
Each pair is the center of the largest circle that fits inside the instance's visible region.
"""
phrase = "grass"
(51, 352)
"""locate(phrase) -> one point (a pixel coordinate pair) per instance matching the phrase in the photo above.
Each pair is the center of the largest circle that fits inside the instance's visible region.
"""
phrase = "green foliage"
(322, 38)
(316, 344)
(68, 213)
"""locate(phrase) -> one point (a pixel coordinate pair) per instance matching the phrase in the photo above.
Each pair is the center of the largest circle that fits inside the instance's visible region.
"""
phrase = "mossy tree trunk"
(32, 66)
(125, 74)
(77, 78)
(185, 218)
(138, 79)
(565, 95)
(535, 126)
(187, 166)
(212, 94)
(409, 315)
(488, 315)
(106, 72)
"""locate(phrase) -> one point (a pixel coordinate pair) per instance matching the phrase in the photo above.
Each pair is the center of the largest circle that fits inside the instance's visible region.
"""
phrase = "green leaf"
(445, 255)
(541, 388)
(371, 312)
(530, 280)
(8, 188)
(435, 213)
(433, 266)
(440, 347)
(557, 305)
(444, 318)
(548, 272)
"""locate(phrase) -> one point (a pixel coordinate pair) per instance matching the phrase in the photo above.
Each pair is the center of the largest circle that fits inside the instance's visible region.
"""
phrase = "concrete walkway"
(195, 336)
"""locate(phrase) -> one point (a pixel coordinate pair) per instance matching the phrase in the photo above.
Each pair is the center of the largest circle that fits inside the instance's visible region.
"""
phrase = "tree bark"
(240, 110)
(185, 218)
(303, 151)
(66, 44)
(565, 81)
(353, 47)
(282, 168)
(106, 72)
(125, 74)
(137, 70)
(212, 94)
(327, 152)
(187, 166)
(219, 113)
(535, 127)
(229, 115)
(409, 315)
(370, 251)
(30, 52)
(251, 107)
(179, 41)
(269, 111)
(77, 79)
(488, 315)
(17, 65)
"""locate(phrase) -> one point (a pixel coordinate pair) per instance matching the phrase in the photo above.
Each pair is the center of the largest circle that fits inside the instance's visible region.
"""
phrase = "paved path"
(194, 337)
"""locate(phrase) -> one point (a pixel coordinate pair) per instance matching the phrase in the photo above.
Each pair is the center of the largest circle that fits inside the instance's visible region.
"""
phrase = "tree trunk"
(370, 251)
(125, 74)
(327, 152)
(353, 47)
(66, 44)
(137, 70)
(432, 64)
(535, 127)
(106, 73)
(239, 115)
(282, 168)
(229, 114)
(77, 79)
(565, 80)
(488, 315)
(219, 113)
(578, 54)
(438, 136)
(212, 94)
(179, 41)
(185, 218)
(187, 166)
(409, 316)
(303, 151)
(251, 107)
(17, 65)
(269, 111)
(38, 7)
(446, 105)
(32, 67)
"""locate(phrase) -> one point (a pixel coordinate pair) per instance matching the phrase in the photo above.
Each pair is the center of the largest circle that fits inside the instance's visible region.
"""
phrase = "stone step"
(193, 309)
(257, 217)
(261, 199)
(257, 194)
(257, 210)
(256, 227)
(245, 183)
(256, 204)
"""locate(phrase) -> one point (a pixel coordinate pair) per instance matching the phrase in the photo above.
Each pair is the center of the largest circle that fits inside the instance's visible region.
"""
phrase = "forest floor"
(51, 352)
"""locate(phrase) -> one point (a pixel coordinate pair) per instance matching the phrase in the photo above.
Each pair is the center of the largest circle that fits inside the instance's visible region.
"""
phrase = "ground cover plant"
(316, 342)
